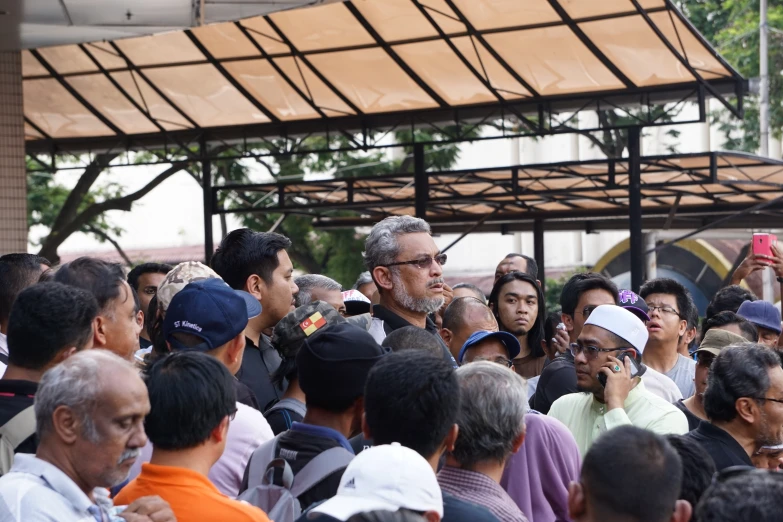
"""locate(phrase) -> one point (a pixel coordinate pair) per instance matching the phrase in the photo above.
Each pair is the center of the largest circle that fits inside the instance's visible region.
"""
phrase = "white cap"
(355, 295)
(385, 478)
(622, 323)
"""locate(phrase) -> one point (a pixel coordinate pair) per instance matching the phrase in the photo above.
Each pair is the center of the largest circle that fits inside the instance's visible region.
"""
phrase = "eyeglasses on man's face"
(587, 310)
(663, 309)
(497, 360)
(591, 352)
(422, 262)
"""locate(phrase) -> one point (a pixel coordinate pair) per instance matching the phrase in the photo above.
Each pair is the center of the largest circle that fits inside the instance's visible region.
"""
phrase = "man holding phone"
(607, 356)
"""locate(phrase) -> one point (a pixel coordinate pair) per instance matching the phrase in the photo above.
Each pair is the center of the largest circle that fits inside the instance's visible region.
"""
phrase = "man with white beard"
(407, 268)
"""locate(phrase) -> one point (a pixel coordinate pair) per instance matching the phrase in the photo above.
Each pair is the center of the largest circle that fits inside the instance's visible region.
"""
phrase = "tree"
(732, 26)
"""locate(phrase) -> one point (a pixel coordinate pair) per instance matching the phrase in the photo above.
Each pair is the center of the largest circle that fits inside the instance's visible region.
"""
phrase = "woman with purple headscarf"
(538, 475)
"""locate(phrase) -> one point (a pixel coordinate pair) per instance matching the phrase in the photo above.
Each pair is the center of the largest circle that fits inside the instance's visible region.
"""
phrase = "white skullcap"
(622, 323)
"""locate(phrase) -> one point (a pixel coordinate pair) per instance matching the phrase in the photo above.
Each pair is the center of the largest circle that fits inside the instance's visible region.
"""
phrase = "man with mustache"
(407, 268)
(744, 404)
(90, 413)
(193, 403)
(607, 354)
(257, 262)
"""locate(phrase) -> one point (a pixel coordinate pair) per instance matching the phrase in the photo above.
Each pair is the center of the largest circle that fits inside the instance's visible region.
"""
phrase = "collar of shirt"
(634, 395)
(396, 322)
(322, 431)
(57, 481)
(9, 387)
(709, 430)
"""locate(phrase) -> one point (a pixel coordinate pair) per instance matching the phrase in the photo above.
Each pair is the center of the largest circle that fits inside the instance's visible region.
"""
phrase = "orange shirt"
(192, 497)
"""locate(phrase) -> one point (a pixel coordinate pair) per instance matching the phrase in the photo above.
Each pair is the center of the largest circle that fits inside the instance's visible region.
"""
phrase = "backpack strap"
(19, 428)
(288, 404)
(263, 456)
(323, 465)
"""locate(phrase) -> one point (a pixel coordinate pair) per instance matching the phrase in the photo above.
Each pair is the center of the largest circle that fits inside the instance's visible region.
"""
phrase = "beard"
(422, 305)
(768, 435)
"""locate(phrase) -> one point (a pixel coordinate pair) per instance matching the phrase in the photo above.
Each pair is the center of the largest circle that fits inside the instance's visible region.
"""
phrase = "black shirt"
(722, 447)
(281, 420)
(693, 420)
(16, 396)
(258, 364)
(557, 379)
(392, 321)
(245, 395)
(143, 343)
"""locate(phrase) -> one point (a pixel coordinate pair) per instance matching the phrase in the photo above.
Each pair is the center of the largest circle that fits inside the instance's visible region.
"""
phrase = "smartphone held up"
(762, 246)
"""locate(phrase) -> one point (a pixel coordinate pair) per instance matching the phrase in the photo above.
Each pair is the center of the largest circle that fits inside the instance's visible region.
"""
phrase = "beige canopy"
(344, 63)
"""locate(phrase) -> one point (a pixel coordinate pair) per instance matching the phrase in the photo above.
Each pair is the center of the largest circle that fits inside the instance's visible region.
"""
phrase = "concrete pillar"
(13, 181)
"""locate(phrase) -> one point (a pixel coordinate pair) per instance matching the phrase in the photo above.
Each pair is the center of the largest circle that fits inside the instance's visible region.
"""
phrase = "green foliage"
(554, 287)
(732, 27)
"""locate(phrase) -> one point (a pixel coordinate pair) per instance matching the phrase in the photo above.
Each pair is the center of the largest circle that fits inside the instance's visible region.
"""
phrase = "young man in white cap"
(607, 355)
(383, 478)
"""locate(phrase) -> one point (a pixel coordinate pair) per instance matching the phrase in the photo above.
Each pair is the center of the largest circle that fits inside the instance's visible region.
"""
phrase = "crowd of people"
(239, 392)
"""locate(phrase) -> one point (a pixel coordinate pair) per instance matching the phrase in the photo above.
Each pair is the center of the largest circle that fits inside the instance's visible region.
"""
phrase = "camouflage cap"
(179, 277)
(297, 326)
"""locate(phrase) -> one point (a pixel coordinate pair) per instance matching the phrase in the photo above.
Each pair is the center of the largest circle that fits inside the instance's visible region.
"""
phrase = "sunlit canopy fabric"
(700, 184)
(362, 58)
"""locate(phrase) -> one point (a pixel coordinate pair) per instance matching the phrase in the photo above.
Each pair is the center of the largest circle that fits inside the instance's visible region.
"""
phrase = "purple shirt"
(479, 489)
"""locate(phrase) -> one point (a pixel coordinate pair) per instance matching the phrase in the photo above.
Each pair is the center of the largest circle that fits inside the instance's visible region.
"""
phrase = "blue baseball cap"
(761, 313)
(210, 310)
(509, 341)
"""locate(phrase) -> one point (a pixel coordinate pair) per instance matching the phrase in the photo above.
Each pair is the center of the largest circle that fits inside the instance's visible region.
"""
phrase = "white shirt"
(4, 351)
(246, 432)
(662, 386)
(37, 491)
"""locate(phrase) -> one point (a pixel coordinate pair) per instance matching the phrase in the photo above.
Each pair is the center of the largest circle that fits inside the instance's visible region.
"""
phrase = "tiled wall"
(13, 213)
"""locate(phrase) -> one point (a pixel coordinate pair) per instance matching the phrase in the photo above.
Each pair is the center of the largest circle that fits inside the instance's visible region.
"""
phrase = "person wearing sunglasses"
(407, 267)
(669, 304)
(713, 343)
(607, 357)
(744, 404)
(581, 294)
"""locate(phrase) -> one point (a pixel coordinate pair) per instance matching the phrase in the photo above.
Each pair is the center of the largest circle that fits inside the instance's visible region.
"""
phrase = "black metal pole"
(206, 184)
(635, 207)
(420, 181)
(538, 250)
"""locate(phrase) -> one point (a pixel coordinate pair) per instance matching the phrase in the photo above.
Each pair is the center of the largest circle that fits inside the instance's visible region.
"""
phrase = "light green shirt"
(588, 419)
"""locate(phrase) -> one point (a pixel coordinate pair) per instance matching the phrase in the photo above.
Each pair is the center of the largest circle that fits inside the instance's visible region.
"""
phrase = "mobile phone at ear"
(634, 368)
(762, 245)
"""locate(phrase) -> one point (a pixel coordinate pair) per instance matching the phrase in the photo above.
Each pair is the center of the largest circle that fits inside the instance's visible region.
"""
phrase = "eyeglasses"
(591, 352)
(663, 309)
(497, 360)
(587, 310)
(422, 263)
(768, 399)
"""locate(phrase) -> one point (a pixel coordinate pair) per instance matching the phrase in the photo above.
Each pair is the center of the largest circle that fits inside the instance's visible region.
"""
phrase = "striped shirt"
(479, 489)
(35, 490)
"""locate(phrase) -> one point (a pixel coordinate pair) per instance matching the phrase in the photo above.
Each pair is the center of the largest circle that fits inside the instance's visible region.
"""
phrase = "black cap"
(333, 365)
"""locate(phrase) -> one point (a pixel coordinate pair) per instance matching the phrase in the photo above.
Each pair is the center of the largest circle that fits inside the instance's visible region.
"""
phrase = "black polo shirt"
(258, 364)
(392, 321)
(722, 447)
(557, 379)
(16, 396)
(693, 420)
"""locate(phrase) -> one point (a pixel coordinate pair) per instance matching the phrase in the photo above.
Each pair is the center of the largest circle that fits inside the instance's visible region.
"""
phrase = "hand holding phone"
(618, 384)
(762, 247)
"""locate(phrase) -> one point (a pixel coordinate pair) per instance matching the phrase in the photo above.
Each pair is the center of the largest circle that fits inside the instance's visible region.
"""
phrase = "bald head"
(464, 316)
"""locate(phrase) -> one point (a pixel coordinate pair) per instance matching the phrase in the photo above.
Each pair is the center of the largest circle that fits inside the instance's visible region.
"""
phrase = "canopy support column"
(420, 181)
(538, 249)
(206, 184)
(635, 207)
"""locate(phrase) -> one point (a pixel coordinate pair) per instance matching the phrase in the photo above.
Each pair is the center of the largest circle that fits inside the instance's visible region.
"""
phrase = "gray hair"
(75, 384)
(382, 247)
(307, 282)
(493, 404)
(364, 278)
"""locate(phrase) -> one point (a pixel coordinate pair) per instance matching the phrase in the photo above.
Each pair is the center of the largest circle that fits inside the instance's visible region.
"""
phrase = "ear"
(683, 327)
(236, 347)
(100, 325)
(690, 335)
(446, 335)
(576, 501)
(365, 427)
(220, 433)
(568, 321)
(451, 438)
(682, 511)
(431, 516)
(383, 277)
(518, 442)
(255, 286)
(67, 425)
(746, 409)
